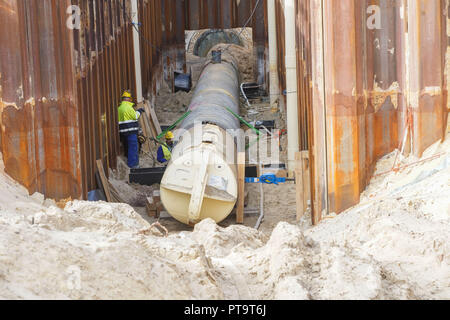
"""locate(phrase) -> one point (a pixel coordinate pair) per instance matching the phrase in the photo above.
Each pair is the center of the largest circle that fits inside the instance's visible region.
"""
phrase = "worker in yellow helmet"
(165, 150)
(129, 128)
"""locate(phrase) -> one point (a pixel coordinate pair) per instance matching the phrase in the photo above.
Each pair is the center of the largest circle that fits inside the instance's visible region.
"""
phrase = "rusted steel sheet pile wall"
(39, 111)
(227, 14)
(374, 65)
(104, 67)
(260, 42)
(60, 88)
(304, 69)
(317, 130)
(302, 25)
(281, 48)
(162, 42)
(217, 14)
(163, 25)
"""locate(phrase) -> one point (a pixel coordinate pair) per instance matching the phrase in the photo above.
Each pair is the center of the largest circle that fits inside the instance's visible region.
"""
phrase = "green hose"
(242, 120)
(184, 116)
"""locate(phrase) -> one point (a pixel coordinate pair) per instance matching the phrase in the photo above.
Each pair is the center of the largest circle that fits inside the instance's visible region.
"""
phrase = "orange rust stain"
(8, 9)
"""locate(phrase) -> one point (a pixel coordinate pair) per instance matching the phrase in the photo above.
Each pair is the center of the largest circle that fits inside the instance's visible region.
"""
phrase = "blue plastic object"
(96, 195)
(269, 178)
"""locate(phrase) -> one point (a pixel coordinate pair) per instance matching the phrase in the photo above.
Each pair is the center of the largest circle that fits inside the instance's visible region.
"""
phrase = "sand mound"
(243, 56)
(394, 245)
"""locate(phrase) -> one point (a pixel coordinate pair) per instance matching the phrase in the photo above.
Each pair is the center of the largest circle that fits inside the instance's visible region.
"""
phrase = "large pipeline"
(201, 179)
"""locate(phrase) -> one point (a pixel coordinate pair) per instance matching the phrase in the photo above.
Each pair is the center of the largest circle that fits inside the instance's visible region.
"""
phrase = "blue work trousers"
(133, 150)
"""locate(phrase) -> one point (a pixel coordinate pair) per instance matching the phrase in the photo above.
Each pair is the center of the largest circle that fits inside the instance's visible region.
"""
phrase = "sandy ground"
(394, 245)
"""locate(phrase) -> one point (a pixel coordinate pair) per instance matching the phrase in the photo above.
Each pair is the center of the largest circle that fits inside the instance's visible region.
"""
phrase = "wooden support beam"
(144, 123)
(151, 130)
(154, 205)
(153, 118)
(317, 117)
(151, 207)
(104, 180)
(115, 194)
(306, 179)
(241, 188)
(299, 185)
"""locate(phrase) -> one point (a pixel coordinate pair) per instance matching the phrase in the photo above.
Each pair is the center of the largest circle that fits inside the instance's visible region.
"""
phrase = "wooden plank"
(306, 180)
(104, 180)
(154, 119)
(151, 207)
(156, 196)
(148, 121)
(115, 194)
(147, 134)
(145, 123)
(317, 117)
(299, 185)
(158, 203)
(154, 205)
(151, 131)
(241, 188)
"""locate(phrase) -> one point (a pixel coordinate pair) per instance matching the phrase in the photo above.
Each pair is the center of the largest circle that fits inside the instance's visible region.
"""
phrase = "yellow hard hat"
(126, 94)
(169, 135)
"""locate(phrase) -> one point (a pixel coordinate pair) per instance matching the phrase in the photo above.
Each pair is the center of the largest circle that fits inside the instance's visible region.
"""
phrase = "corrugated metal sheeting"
(60, 87)
(162, 42)
(39, 112)
(60, 90)
(373, 64)
(104, 67)
(163, 26)
(164, 23)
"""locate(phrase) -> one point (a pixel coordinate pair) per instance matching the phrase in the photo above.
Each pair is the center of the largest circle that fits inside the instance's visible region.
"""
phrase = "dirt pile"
(394, 245)
(171, 106)
(244, 58)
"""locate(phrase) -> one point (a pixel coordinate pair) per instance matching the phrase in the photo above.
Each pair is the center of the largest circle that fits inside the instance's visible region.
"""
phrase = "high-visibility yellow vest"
(167, 153)
(128, 118)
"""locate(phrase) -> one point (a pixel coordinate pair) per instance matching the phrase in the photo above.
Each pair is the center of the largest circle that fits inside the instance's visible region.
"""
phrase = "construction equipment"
(269, 178)
(146, 176)
(201, 179)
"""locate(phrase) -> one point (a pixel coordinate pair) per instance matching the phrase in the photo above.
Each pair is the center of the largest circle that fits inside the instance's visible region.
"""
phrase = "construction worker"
(129, 129)
(165, 150)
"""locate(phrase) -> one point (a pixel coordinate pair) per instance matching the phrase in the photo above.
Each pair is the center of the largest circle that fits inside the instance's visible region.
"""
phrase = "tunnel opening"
(210, 38)
(200, 46)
